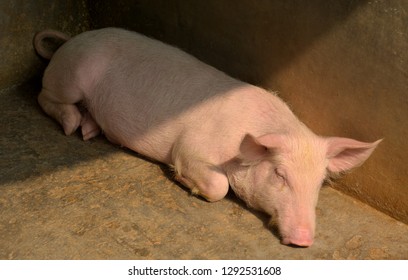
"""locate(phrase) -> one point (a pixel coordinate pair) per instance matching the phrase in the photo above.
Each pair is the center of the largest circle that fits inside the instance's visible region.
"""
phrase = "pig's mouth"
(299, 244)
(298, 237)
(275, 228)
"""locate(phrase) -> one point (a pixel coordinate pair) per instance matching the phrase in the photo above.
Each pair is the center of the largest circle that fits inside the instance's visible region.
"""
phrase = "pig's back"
(144, 93)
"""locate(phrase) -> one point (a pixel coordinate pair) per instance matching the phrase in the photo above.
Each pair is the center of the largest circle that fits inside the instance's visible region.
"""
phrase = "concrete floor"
(63, 198)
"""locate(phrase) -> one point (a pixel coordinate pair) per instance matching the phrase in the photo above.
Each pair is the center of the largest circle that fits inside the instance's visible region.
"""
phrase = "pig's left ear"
(255, 148)
(344, 153)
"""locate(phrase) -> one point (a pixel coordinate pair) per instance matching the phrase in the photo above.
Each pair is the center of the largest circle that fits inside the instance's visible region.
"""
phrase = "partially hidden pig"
(214, 130)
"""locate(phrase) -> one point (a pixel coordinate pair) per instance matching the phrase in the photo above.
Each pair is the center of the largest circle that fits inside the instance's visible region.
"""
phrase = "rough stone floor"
(63, 198)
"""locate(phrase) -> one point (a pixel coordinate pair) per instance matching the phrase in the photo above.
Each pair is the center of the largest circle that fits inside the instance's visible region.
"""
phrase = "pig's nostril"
(303, 243)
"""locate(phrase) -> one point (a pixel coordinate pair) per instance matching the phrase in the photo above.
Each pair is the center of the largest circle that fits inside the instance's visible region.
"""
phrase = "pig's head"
(282, 175)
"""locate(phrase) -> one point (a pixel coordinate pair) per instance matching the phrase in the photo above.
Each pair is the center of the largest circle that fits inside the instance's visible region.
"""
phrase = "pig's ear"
(344, 153)
(255, 148)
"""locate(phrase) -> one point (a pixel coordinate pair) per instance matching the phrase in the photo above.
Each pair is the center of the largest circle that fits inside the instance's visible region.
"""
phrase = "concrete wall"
(342, 65)
(19, 20)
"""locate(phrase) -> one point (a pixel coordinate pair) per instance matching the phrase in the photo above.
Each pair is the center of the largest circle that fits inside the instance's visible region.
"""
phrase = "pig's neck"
(275, 116)
(267, 114)
(262, 113)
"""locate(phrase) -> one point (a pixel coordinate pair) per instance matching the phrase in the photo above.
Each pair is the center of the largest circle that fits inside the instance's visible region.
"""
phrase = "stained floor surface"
(63, 198)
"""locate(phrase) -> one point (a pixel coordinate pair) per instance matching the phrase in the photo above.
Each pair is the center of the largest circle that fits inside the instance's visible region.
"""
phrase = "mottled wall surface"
(19, 20)
(341, 65)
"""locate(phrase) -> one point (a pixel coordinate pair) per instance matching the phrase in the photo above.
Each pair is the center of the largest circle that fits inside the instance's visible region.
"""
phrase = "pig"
(213, 130)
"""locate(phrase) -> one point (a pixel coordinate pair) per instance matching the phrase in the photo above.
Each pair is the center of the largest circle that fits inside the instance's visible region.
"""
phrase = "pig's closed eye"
(281, 178)
(280, 174)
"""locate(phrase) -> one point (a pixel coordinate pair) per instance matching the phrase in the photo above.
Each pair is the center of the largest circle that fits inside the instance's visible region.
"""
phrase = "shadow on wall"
(230, 35)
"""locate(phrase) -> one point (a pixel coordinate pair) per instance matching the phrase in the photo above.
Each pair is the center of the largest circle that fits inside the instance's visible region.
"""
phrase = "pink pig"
(214, 130)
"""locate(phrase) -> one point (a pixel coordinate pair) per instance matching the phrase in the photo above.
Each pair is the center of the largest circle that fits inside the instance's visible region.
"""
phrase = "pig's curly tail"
(54, 35)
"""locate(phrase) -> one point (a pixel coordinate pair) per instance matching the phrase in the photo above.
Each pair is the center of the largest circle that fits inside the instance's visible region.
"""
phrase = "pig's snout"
(300, 237)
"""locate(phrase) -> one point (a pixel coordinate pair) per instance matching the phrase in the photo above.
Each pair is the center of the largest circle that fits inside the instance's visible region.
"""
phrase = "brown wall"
(341, 65)
(19, 20)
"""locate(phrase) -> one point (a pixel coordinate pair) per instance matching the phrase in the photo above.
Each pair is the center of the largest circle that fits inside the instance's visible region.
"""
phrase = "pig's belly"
(155, 143)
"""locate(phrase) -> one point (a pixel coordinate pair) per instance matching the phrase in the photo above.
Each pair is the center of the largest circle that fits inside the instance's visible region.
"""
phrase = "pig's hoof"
(195, 191)
(70, 123)
(89, 127)
(89, 132)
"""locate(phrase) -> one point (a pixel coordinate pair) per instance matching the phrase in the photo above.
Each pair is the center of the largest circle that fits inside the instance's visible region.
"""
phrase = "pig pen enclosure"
(341, 65)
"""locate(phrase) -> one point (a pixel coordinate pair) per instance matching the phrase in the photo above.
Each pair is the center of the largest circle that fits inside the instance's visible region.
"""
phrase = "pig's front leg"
(202, 178)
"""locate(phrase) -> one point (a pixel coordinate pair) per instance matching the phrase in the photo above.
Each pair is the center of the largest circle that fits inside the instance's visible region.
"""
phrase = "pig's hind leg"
(201, 178)
(89, 127)
(62, 107)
